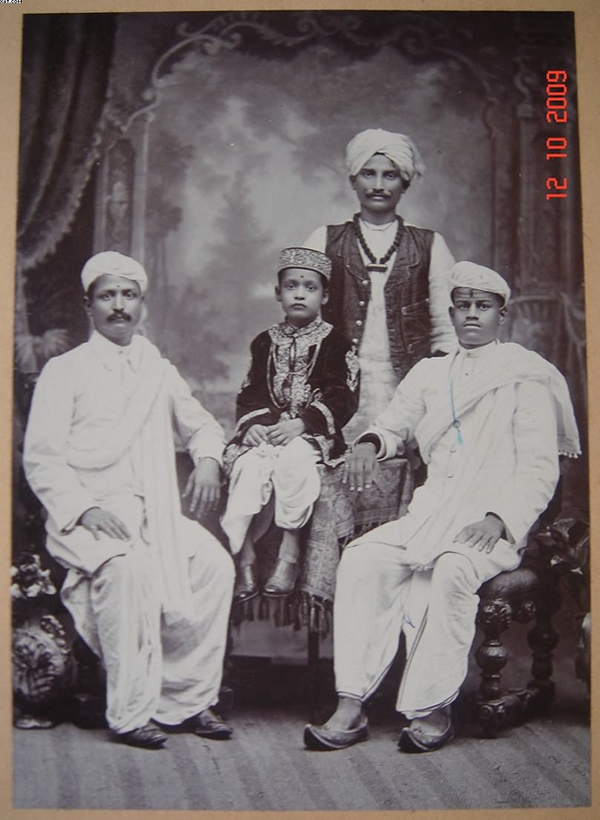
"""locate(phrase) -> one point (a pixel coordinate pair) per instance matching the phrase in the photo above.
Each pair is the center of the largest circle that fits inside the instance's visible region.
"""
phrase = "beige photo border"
(587, 25)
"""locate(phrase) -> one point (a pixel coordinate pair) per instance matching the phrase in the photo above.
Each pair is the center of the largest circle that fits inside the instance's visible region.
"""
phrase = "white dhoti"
(379, 595)
(154, 669)
(288, 471)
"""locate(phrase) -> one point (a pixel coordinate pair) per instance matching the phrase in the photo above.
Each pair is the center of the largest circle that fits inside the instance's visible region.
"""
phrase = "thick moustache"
(114, 316)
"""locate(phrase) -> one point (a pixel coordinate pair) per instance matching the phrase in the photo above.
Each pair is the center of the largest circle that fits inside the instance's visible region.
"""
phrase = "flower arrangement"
(28, 579)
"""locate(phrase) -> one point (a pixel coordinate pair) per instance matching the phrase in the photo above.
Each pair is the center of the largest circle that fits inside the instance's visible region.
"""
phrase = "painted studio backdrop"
(203, 143)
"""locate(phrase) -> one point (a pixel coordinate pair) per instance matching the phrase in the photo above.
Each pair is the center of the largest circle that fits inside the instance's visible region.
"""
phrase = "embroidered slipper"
(414, 739)
(324, 739)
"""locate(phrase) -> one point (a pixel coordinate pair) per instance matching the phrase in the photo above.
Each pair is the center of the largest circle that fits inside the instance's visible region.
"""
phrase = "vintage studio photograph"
(300, 469)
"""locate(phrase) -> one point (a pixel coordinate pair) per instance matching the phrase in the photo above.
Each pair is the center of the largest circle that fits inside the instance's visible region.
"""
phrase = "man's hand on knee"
(483, 534)
(361, 464)
(204, 487)
(96, 520)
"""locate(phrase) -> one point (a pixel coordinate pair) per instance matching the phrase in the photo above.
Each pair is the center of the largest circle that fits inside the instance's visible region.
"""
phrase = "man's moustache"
(114, 316)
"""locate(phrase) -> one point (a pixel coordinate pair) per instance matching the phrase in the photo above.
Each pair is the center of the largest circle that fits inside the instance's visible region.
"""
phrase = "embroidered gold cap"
(306, 258)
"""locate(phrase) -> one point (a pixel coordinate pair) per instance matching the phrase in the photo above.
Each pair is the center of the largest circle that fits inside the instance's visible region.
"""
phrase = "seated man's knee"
(358, 562)
(117, 566)
(455, 572)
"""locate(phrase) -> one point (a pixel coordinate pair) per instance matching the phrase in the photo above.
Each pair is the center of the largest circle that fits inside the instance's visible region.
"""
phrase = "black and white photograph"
(331, 258)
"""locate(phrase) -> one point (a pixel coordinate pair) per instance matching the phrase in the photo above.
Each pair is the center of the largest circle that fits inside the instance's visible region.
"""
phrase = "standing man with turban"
(491, 420)
(149, 589)
(389, 281)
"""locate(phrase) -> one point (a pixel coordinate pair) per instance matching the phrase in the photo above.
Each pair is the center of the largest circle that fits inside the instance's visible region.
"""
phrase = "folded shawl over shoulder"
(511, 364)
(146, 428)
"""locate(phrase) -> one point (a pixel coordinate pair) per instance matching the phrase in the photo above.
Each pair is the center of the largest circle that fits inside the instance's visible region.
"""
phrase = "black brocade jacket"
(312, 374)
(406, 292)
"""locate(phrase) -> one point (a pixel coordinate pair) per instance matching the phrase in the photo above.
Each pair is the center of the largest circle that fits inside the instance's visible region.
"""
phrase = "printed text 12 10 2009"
(556, 146)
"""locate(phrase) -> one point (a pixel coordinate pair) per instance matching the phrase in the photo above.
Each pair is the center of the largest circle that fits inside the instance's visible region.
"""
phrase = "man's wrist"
(81, 517)
(495, 517)
(368, 438)
(200, 459)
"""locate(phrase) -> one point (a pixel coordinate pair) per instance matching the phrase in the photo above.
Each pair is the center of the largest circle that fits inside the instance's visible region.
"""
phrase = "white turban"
(114, 263)
(477, 277)
(398, 148)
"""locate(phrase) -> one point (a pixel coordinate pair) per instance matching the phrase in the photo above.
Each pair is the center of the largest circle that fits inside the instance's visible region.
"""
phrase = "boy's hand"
(361, 464)
(255, 435)
(284, 431)
(204, 487)
(483, 534)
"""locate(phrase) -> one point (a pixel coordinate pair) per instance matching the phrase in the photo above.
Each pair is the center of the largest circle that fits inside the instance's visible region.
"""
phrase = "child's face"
(301, 294)
(476, 316)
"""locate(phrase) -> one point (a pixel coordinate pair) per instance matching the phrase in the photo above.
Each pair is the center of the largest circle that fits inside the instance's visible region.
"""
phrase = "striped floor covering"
(265, 767)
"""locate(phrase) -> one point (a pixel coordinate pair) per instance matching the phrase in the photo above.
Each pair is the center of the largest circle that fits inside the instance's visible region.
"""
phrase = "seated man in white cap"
(389, 283)
(148, 588)
(491, 420)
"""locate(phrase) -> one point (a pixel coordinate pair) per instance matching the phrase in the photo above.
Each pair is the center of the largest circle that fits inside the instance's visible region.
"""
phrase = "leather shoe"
(245, 584)
(144, 737)
(324, 739)
(414, 739)
(283, 579)
(207, 724)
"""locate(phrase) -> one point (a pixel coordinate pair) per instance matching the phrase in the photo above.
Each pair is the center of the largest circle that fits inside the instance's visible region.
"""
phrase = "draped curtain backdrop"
(64, 94)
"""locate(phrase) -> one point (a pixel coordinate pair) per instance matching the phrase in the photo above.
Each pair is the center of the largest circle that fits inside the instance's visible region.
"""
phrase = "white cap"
(478, 277)
(116, 264)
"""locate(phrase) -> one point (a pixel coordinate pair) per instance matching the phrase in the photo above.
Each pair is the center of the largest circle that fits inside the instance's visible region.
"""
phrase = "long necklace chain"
(369, 253)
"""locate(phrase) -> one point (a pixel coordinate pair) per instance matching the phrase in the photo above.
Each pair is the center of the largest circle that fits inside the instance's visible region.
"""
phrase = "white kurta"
(409, 574)
(101, 433)
(378, 380)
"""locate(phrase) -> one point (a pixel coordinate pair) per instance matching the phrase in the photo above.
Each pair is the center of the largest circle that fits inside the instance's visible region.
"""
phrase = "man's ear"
(451, 311)
(325, 298)
(87, 304)
(503, 311)
(278, 293)
(352, 182)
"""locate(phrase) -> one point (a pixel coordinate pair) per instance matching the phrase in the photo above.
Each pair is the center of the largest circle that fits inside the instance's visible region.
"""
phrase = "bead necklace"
(381, 267)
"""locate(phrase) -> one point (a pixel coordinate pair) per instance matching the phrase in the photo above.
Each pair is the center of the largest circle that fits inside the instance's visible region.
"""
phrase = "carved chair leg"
(491, 658)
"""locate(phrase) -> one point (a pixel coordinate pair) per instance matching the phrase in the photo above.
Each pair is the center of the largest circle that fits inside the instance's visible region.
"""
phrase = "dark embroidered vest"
(406, 293)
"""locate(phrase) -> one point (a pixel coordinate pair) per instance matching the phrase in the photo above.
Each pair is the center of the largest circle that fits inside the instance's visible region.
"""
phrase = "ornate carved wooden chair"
(556, 560)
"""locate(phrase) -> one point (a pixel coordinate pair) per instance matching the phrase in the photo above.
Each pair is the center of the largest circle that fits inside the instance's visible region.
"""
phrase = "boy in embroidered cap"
(491, 420)
(389, 280)
(301, 389)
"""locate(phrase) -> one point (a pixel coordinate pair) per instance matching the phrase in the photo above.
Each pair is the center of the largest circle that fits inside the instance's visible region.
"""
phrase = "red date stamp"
(557, 112)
